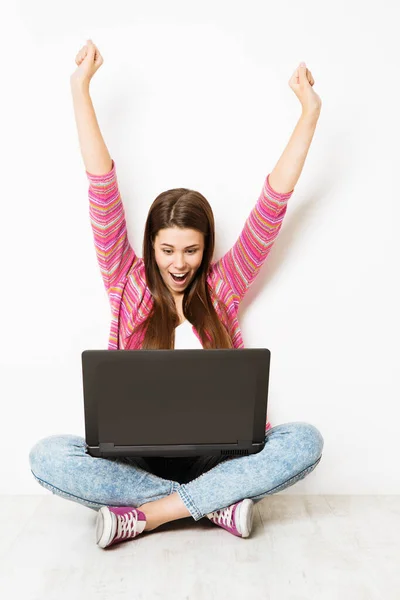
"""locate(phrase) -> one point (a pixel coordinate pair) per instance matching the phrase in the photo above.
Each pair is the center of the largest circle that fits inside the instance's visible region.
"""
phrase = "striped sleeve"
(240, 265)
(115, 255)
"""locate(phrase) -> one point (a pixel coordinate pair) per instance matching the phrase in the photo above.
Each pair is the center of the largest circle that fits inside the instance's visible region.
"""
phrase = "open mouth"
(179, 280)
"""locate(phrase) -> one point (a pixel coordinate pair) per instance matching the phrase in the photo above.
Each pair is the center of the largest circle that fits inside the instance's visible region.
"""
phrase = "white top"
(185, 338)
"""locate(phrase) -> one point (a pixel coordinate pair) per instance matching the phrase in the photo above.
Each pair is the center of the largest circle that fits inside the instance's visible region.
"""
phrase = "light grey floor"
(301, 548)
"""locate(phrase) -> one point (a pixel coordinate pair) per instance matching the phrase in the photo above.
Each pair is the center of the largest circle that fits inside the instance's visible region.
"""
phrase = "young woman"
(177, 297)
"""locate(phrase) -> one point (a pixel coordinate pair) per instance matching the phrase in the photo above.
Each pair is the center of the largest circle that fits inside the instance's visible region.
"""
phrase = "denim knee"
(45, 451)
(309, 438)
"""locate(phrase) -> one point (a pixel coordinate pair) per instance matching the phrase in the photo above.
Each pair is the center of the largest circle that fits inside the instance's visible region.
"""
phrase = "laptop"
(175, 402)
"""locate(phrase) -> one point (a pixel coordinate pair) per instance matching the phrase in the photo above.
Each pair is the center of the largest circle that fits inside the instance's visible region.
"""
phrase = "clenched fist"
(89, 60)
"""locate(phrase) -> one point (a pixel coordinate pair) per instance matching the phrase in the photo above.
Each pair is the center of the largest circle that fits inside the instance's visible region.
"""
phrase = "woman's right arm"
(95, 154)
(107, 216)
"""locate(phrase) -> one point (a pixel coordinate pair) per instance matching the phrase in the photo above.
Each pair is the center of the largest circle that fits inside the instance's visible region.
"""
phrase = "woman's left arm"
(288, 169)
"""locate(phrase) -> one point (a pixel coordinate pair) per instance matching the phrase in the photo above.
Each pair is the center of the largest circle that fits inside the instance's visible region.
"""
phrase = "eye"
(192, 251)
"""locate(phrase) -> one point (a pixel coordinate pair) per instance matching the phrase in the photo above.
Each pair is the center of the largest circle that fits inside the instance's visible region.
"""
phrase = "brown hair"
(182, 208)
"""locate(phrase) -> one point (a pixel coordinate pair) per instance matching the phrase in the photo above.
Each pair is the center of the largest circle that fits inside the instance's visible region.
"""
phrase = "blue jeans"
(61, 464)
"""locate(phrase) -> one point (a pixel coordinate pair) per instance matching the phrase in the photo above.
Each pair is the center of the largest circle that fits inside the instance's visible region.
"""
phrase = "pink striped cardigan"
(123, 271)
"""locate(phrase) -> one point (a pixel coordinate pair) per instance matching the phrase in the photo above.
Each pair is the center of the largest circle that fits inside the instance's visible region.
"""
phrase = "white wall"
(197, 95)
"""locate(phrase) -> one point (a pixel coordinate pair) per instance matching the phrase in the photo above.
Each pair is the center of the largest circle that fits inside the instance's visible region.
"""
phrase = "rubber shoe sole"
(106, 526)
(244, 517)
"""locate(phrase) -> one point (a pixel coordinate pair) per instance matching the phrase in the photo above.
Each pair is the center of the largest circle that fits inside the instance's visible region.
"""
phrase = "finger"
(95, 53)
(310, 77)
(295, 76)
(91, 45)
(82, 53)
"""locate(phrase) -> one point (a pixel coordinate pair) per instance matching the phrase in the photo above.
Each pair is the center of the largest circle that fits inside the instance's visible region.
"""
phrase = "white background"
(196, 94)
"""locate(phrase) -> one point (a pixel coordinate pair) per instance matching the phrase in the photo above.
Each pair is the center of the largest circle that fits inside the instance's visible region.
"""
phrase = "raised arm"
(114, 253)
(94, 151)
(95, 154)
(241, 264)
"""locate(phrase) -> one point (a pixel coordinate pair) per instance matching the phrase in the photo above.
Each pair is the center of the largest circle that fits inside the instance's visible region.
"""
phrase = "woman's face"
(178, 251)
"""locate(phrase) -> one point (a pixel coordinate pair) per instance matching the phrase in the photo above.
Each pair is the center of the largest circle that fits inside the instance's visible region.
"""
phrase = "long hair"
(182, 208)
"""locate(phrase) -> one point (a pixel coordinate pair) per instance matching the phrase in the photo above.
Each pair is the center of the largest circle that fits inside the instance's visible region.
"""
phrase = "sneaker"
(117, 524)
(237, 518)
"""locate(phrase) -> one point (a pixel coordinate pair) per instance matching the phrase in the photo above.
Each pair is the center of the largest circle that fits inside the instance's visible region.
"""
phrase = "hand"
(301, 83)
(89, 60)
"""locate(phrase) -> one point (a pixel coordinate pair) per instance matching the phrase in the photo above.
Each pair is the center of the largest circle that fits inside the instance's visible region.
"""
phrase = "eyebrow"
(192, 246)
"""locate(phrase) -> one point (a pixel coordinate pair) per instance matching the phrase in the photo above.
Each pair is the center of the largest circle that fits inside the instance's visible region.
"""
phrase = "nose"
(180, 265)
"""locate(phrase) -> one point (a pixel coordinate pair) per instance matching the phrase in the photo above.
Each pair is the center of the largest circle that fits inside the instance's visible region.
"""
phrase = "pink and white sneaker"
(118, 524)
(236, 518)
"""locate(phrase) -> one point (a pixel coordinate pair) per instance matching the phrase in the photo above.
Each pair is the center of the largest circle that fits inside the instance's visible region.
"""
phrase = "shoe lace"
(127, 524)
(223, 516)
